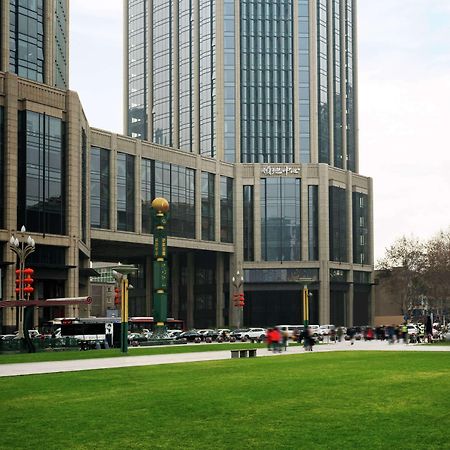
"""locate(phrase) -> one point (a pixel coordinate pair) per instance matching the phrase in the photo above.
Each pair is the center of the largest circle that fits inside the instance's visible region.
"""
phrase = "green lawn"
(340, 400)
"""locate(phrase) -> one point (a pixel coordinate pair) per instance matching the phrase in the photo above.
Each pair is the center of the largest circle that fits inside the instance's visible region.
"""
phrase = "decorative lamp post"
(22, 248)
(160, 207)
(305, 300)
(121, 276)
(238, 296)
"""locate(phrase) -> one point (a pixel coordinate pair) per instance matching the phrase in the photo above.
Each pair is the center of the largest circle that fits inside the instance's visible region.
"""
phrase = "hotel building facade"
(242, 114)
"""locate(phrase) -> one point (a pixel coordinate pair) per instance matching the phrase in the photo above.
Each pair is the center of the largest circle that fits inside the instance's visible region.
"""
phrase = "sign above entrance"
(280, 170)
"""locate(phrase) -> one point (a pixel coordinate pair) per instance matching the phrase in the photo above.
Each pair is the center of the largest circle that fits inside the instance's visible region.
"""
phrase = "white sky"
(404, 102)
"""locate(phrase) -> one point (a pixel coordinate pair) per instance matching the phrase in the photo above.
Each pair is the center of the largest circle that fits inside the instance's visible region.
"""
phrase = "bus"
(99, 329)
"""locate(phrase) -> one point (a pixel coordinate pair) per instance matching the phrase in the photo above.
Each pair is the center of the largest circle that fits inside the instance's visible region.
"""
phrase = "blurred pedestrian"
(285, 339)
(429, 330)
(269, 339)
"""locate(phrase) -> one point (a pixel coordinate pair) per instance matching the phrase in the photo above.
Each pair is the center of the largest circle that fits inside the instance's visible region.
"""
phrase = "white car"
(412, 330)
(314, 329)
(325, 330)
(253, 333)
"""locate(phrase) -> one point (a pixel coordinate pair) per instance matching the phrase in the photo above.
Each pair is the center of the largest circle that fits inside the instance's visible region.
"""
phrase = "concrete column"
(349, 195)
(257, 213)
(314, 144)
(176, 78)
(304, 214)
(324, 245)
(219, 290)
(350, 302)
(137, 189)
(49, 42)
(198, 201)
(175, 283)
(190, 290)
(113, 184)
(149, 290)
(295, 79)
(4, 33)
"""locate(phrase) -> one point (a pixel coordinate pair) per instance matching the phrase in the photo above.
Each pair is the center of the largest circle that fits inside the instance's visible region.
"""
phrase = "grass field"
(342, 400)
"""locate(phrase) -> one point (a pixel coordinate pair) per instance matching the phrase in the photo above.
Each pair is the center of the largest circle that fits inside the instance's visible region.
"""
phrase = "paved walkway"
(7, 370)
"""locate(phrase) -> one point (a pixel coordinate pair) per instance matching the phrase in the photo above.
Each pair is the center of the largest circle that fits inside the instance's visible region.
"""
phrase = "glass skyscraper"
(269, 86)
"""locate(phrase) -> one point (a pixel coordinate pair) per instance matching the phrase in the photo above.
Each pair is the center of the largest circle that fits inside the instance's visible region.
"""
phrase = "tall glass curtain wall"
(226, 209)
(137, 68)
(60, 43)
(335, 21)
(304, 72)
(338, 224)
(266, 82)
(83, 185)
(2, 165)
(207, 27)
(313, 222)
(26, 39)
(280, 219)
(162, 51)
(100, 177)
(41, 200)
(337, 101)
(186, 73)
(229, 54)
(350, 93)
(249, 230)
(208, 216)
(125, 192)
(177, 185)
(360, 228)
(322, 77)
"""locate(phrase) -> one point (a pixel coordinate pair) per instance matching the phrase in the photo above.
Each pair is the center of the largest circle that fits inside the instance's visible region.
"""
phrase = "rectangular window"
(248, 203)
(226, 209)
(338, 224)
(42, 151)
(2, 159)
(177, 185)
(313, 222)
(208, 215)
(26, 37)
(280, 219)
(100, 178)
(125, 192)
(360, 228)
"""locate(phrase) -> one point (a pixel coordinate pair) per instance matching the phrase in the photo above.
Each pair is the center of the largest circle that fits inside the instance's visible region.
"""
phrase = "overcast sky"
(404, 102)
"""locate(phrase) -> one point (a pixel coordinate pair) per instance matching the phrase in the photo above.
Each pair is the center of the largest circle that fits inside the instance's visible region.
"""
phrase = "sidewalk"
(7, 370)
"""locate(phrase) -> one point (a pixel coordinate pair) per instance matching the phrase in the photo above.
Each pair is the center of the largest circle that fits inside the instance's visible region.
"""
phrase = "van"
(292, 330)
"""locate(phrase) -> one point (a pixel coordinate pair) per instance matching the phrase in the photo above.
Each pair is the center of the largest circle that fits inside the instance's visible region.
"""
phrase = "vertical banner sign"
(160, 208)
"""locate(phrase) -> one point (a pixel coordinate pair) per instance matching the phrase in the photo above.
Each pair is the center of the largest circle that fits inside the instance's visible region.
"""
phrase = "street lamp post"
(121, 276)
(238, 281)
(22, 248)
(305, 300)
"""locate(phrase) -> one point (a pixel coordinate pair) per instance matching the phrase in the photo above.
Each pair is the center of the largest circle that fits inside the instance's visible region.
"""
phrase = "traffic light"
(116, 296)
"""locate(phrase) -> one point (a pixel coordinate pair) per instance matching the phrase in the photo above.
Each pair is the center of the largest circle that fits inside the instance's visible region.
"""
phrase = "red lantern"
(28, 271)
(28, 289)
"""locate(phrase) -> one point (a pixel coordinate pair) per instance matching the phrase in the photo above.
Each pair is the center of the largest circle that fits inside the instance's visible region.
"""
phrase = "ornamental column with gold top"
(160, 207)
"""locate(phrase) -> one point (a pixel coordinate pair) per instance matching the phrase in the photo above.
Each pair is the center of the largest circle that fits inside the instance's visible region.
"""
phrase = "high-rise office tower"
(269, 86)
(244, 81)
(35, 40)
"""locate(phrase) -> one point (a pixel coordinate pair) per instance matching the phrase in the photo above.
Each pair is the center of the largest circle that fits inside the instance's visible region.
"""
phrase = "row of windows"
(280, 210)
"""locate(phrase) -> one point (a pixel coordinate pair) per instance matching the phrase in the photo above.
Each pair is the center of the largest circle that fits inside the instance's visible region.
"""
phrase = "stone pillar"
(219, 290)
(190, 290)
(324, 245)
(175, 283)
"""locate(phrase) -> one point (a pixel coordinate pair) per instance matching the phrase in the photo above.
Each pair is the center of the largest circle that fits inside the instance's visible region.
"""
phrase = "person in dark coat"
(429, 329)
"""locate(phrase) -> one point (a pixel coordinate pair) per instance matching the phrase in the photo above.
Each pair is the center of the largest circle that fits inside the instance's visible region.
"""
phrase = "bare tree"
(402, 267)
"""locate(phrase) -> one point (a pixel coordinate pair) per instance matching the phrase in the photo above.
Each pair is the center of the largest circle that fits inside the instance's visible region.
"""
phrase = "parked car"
(253, 333)
(237, 333)
(293, 331)
(173, 334)
(314, 329)
(190, 336)
(325, 330)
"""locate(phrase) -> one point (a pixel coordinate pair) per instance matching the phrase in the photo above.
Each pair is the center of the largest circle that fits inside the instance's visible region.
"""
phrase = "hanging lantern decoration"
(28, 280)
